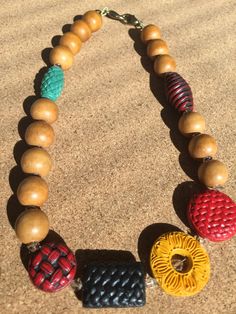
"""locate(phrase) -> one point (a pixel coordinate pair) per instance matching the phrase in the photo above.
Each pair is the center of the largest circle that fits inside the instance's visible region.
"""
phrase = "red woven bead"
(52, 267)
(213, 215)
(178, 92)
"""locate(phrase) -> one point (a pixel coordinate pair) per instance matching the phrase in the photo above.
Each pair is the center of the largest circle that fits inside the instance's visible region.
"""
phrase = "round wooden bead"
(62, 56)
(150, 32)
(157, 47)
(37, 161)
(44, 109)
(213, 173)
(32, 226)
(191, 123)
(39, 133)
(71, 41)
(81, 29)
(163, 64)
(32, 191)
(93, 19)
(202, 146)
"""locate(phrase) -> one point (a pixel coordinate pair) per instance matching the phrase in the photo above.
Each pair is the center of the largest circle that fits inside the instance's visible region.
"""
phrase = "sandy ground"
(121, 171)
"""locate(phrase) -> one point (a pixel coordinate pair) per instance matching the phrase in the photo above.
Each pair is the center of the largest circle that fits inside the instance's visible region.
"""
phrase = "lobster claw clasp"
(132, 20)
(126, 18)
(115, 16)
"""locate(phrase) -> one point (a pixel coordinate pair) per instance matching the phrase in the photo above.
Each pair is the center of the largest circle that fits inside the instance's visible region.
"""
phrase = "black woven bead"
(178, 92)
(116, 285)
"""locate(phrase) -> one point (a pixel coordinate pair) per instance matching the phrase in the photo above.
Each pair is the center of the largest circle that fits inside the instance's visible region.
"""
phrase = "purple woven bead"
(178, 92)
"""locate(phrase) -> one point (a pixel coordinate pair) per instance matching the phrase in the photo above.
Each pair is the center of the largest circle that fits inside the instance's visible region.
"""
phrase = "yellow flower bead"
(195, 272)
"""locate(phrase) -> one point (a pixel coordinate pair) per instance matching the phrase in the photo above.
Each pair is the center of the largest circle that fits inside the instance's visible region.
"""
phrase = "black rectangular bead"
(114, 285)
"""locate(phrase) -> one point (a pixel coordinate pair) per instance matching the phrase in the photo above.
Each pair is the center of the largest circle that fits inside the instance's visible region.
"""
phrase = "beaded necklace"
(178, 261)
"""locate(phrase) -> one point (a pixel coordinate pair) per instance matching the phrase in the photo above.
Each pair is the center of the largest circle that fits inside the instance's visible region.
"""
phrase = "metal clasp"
(126, 18)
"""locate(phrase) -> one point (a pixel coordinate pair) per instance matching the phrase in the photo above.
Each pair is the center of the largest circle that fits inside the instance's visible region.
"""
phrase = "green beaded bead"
(52, 83)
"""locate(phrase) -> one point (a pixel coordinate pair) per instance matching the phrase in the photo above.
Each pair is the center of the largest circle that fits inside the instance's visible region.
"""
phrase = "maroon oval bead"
(178, 92)
(52, 267)
(212, 214)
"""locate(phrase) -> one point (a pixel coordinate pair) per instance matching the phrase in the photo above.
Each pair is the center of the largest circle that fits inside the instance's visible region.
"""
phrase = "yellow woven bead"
(196, 266)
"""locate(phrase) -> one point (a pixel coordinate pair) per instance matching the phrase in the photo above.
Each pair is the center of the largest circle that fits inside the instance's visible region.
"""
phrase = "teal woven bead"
(52, 83)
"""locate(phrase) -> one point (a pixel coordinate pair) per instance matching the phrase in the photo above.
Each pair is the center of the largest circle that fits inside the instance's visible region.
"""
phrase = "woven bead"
(52, 83)
(52, 267)
(178, 92)
(212, 214)
(194, 275)
(113, 285)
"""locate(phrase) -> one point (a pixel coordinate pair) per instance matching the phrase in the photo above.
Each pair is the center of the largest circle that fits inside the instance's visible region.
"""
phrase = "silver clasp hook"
(126, 18)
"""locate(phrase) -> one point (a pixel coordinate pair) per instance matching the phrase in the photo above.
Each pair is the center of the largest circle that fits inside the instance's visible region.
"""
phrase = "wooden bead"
(37, 161)
(39, 133)
(157, 47)
(44, 109)
(191, 123)
(93, 19)
(163, 64)
(150, 32)
(81, 29)
(213, 173)
(202, 146)
(32, 226)
(71, 41)
(32, 191)
(62, 56)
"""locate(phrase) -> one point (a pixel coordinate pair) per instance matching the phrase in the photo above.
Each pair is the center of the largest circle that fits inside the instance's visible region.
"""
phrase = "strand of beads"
(32, 225)
(54, 265)
(212, 173)
(212, 214)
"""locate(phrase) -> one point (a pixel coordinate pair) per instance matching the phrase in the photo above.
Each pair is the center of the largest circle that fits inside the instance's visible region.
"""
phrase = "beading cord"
(178, 262)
